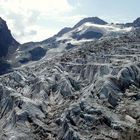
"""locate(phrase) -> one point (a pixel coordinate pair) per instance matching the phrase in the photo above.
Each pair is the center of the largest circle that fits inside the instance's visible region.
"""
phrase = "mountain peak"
(94, 20)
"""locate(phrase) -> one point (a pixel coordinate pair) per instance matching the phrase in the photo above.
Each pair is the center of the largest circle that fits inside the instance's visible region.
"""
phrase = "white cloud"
(22, 17)
(43, 6)
(38, 33)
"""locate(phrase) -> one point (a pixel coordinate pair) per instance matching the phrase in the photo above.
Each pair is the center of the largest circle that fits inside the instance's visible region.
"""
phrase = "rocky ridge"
(8, 46)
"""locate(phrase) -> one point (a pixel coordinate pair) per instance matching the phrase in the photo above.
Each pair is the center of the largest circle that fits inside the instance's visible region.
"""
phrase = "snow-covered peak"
(92, 31)
(102, 28)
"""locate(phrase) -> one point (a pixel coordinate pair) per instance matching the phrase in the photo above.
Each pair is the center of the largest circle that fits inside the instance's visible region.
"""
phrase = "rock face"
(34, 54)
(6, 39)
(4, 66)
(8, 46)
(88, 92)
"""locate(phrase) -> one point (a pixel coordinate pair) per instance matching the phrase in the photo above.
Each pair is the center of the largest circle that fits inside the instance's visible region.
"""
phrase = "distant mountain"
(92, 20)
(64, 36)
(7, 43)
(88, 29)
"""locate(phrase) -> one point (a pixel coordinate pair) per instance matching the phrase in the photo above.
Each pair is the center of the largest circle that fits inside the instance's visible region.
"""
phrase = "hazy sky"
(35, 20)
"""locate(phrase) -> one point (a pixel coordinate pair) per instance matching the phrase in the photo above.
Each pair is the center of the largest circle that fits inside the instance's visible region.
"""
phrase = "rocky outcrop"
(34, 54)
(8, 46)
(4, 66)
(6, 40)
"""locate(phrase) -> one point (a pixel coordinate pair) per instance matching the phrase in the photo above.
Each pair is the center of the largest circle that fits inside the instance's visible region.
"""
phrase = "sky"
(36, 20)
